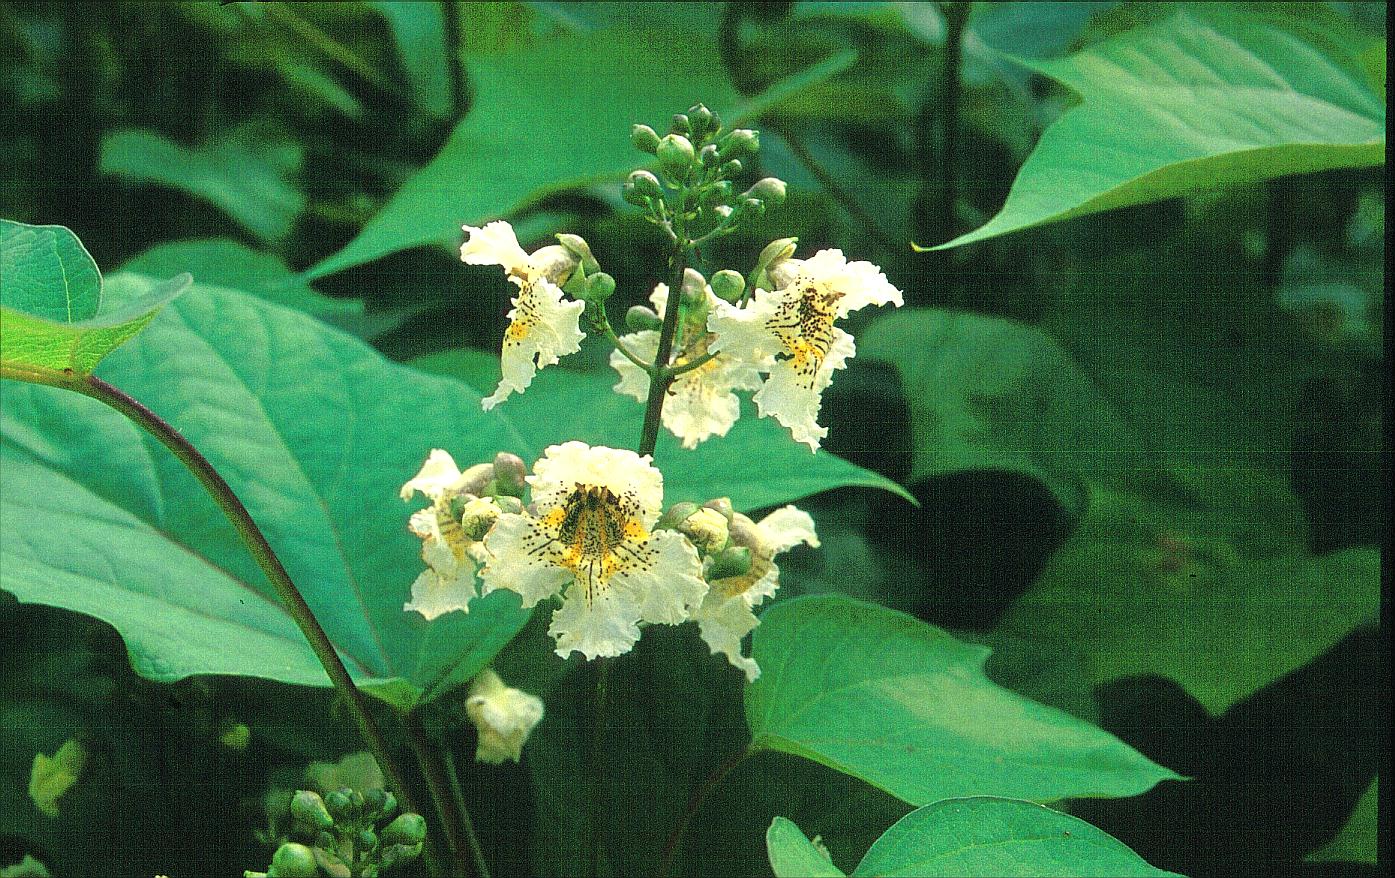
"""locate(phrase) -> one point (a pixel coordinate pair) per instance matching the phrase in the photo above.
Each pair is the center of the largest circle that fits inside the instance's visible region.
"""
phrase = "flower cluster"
(595, 537)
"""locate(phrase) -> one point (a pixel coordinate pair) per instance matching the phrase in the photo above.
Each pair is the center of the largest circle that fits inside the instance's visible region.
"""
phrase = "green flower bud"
(331, 864)
(676, 515)
(731, 561)
(700, 118)
(341, 805)
(644, 138)
(509, 504)
(639, 318)
(774, 253)
(680, 125)
(325, 840)
(308, 808)
(599, 287)
(708, 155)
(377, 802)
(293, 860)
(366, 840)
(641, 185)
(742, 141)
(717, 193)
(694, 288)
(731, 169)
(397, 854)
(581, 250)
(722, 504)
(728, 285)
(767, 189)
(676, 156)
(406, 829)
(510, 473)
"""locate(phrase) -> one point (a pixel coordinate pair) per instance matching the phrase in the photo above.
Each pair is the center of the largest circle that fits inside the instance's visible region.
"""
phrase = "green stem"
(433, 770)
(598, 761)
(694, 803)
(459, 93)
(662, 377)
(257, 545)
(625, 351)
(458, 796)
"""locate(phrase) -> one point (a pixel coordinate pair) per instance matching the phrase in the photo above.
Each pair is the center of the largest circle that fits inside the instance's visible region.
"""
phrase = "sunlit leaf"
(1356, 842)
(793, 855)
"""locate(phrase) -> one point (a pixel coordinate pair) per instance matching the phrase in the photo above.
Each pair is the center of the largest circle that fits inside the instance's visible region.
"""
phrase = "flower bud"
(330, 863)
(641, 185)
(407, 829)
(581, 250)
(503, 716)
(675, 515)
(694, 288)
(379, 803)
(639, 318)
(554, 262)
(742, 141)
(324, 840)
(731, 561)
(397, 854)
(599, 287)
(722, 504)
(708, 155)
(676, 156)
(509, 473)
(767, 189)
(731, 168)
(644, 138)
(293, 860)
(680, 125)
(476, 519)
(728, 285)
(706, 528)
(509, 504)
(340, 805)
(366, 840)
(717, 193)
(308, 808)
(774, 253)
(700, 118)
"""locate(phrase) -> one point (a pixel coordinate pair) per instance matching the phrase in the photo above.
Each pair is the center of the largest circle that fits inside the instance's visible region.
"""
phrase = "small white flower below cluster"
(503, 716)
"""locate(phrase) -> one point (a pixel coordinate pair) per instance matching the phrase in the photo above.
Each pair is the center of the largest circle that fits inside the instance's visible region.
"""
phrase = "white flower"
(451, 555)
(794, 325)
(725, 615)
(542, 325)
(503, 716)
(589, 528)
(700, 403)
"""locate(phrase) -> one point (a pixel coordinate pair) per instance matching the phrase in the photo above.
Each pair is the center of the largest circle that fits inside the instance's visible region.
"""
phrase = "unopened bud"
(728, 285)
(722, 504)
(476, 478)
(599, 287)
(644, 138)
(581, 250)
(706, 528)
(476, 519)
(680, 124)
(639, 318)
(742, 141)
(554, 262)
(768, 189)
(308, 808)
(340, 805)
(378, 802)
(774, 253)
(397, 854)
(675, 515)
(700, 118)
(731, 561)
(731, 169)
(694, 288)
(509, 473)
(366, 840)
(330, 863)
(293, 860)
(407, 829)
(708, 155)
(509, 504)
(676, 156)
(641, 185)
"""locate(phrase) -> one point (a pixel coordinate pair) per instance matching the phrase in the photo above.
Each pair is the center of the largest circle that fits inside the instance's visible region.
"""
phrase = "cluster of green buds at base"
(340, 836)
(709, 528)
(693, 192)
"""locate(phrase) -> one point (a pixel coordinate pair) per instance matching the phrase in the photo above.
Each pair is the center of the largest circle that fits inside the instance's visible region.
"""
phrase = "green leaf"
(1356, 842)
(793, 855)
(241, 174)
(756, 464)
(52, 319)
(420, 33)
(990, 836)
(546, 118)
(224, 262)
(1209, 97)
(906, 707)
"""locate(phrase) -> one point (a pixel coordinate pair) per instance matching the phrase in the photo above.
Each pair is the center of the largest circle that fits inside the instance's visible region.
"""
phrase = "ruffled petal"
(863, 284)
(743, 332)
(625, 474)
(543, 327)
(723, 622)
(437, 476)
(517, 561)
(634, 381)
(447, 584)
(494, 244)
(607, 626)
(663, 577)
(503, 717)
(793, 398)
(786, 528)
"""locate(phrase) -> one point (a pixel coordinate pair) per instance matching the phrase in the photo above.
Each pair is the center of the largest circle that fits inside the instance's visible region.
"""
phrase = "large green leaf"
(973, 836)
(52, 318)
(242, 174)
(419, 29)
(755, 464)
(906, 707)
(1206, 98)
(1357, 841)
(549, 117)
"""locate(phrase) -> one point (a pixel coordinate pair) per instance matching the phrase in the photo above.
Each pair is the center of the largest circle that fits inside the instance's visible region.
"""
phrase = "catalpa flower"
(542, 325)
(589, 531)
(725, 615)
(700, 402)
(794, 325)
(503, 716)
(451, 554)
